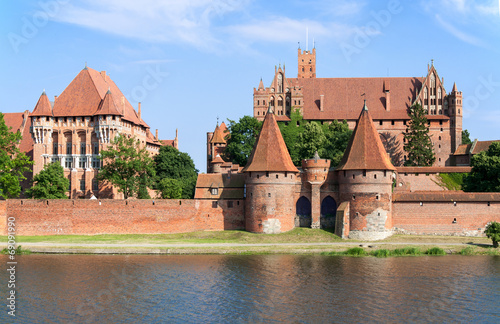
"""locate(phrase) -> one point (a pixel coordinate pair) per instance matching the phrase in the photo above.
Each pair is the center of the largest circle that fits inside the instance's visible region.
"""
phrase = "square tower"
(307, 64)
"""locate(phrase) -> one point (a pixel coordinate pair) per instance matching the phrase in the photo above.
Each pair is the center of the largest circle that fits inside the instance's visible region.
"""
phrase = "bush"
(382, 253)
(435, 251)
(407, 251)
(467, 251)
(357, 251)
(492, 231)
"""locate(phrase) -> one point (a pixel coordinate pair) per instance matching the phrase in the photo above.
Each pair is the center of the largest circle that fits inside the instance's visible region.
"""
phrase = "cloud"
(457, 33)
(187, 21)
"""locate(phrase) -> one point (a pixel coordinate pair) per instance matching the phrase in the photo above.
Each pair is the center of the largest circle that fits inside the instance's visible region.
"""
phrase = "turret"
(270, 177)
(307, 64)
(455, 111)
(365, 180)
(315, 172)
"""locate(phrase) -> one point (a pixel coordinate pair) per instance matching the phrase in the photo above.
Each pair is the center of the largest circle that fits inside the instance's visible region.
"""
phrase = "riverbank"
(297, 241)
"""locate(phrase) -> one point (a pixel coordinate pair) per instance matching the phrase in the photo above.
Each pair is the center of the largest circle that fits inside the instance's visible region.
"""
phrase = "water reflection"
(254, 289)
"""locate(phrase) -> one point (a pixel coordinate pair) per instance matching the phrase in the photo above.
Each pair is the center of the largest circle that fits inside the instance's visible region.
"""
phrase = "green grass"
(407, 251)
(18, 250)
(356, 251)
(435, 251)
(297, 235)
(382, 253)
(452, 181)
(467, 251)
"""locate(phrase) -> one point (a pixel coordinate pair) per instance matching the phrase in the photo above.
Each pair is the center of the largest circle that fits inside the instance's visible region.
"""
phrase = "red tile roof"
(83, 96)
(269, 152)
(43, 106)
(107, 106)
(365, 150)
(482, 146)
(16, 120)
(342, 96)
(462, 149)
(217, 137)
(167, 143)
(217, 159)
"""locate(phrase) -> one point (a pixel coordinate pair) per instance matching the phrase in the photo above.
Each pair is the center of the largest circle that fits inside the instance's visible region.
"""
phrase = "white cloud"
(457, 33)
(187, 21)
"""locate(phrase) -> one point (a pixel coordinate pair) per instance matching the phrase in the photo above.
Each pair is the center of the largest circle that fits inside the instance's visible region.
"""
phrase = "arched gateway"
(303, 212)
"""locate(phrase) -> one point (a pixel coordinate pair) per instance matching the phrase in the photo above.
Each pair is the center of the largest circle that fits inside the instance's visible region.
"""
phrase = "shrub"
(493, 232)
(357, 251)
(407, 251)
(382, 253)
(467, 251)
(435, 251)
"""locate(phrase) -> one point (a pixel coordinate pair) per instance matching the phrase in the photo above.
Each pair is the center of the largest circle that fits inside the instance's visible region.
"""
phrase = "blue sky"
(191, 61)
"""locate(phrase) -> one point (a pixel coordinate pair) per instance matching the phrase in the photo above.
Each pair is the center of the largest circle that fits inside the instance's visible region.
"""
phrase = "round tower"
(365, 180)
(270, 177)
(315, 172)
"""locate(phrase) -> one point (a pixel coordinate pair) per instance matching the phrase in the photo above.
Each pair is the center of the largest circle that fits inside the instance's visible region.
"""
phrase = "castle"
(76, 126)
(328, 99)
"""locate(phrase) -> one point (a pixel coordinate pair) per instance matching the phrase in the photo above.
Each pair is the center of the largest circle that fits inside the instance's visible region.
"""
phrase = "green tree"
(50, 183)
(170, 163)
(466, 137)
(170, 188)
(243, 135)
(312, 139)
(485, 174)
(492, 231)
(127, 166)
(13, 162)
(290, 132)
(337, 137)
(418, 142)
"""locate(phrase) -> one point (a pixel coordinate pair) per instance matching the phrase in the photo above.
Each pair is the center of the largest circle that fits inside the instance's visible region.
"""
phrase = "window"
(82, 185)
(230, 204)
(392, 122)
(96, 163)
(82, 148)
(380, 122)
(267, 174)
(68, 148)
(68, 163)
(95, 185)
(269, 194)
(69, 186)
(214, 204)
(214, 191)
(55, 148)
(364, 173)
(82, 163)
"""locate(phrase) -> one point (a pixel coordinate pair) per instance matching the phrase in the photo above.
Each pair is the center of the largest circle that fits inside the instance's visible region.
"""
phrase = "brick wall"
(49, 217)
(444, 217)
(3, 217)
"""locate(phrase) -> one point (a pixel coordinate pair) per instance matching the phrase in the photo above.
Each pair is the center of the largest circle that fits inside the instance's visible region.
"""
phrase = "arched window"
(303, 211)
(280, 101)
(271, 102)
(280, 82)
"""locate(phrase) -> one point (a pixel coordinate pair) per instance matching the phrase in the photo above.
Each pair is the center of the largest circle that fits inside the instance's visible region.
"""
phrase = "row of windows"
(83, 148)
(267, 175)
(95, 185)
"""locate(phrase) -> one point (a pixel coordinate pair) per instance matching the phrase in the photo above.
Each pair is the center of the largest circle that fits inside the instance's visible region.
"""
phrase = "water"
(254, 289)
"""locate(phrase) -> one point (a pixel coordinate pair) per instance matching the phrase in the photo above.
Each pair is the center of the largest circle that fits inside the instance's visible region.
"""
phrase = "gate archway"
(303, 212)
(328, 212)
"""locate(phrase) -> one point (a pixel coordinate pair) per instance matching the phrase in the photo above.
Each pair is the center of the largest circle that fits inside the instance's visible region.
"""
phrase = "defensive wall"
(446, 212)
(82, 217)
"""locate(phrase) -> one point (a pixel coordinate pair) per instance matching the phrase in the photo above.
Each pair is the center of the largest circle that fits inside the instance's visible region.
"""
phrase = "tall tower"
(42, 129)
(269, 178)
(455, 104)
(365, 180)
(307, 63)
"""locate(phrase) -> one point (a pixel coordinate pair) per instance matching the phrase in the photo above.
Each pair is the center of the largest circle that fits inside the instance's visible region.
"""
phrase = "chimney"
(321, 102)
(55, 98)
(123, 105)
(387, 91)
(156, 136)
(103, 74)
(139, 111)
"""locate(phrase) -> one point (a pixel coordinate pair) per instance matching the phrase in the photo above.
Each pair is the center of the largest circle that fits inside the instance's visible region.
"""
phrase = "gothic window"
(280, 82)
(288, 101)
(82, 148)
(95, 185)
(439, 93)
(271, 102)
(425, 93)
(280, 101)
(82, 185)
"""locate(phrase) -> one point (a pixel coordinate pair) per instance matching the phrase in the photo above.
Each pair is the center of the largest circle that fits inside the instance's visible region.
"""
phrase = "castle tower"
(307, 64)
(270, 177)
(42, 129)
(315, 174)
(365, 180)
(216, 144)
(455, 104)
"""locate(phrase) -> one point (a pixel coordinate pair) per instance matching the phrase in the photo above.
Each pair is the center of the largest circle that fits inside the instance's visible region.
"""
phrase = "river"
(253, 289)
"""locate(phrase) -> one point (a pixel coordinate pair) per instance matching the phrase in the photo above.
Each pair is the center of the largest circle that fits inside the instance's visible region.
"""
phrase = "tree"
(13, 162)
(485, 174)
(170, 163)
(127, 166)
(337, 137)
(492, 231)
(290, 132)
(418, 142)
(466, 137)
(243, 135)
(170, 188)
(312, 139)
(50, 183)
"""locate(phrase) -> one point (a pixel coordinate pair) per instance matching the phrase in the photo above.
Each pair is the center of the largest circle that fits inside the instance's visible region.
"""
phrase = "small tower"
(306, 63)
(315, 174)
(216, 144)
(455, 111)
(269, 179)
(42, 132)
(365, 180)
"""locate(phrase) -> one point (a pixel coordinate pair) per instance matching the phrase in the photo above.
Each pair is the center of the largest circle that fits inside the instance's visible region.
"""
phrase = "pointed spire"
(261, 84)
(365, 150)
(108, 106)
(454, 87)
(43, 106)
(218, 137)
(85, 68)
(269, 152)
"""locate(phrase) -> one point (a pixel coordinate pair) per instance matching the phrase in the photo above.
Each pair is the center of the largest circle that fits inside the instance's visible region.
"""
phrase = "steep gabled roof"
(218, 137)
(43, 106)
(269, 152)
(217, 159)
(365, 150)
(342, 96)
(107, 106)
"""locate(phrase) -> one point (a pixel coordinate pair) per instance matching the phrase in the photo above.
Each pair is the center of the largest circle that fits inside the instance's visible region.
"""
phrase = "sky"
(193, 61)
